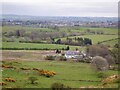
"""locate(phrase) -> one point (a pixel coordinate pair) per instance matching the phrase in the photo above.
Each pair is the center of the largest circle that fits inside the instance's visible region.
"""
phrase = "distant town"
(54, 22)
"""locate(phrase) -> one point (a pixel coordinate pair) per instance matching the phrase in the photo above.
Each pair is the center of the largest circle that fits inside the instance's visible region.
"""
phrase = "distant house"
(72, 54)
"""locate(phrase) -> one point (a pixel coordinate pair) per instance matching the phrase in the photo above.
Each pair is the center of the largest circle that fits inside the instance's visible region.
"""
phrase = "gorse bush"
(10, 80)
(3, 83)
(111, 79)
(47, 73)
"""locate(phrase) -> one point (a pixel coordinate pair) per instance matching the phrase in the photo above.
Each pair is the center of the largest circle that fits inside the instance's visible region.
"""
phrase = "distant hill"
(48, 18)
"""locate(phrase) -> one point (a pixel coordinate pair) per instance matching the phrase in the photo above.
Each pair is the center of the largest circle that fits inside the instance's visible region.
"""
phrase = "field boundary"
(81, 80)
(108, 40)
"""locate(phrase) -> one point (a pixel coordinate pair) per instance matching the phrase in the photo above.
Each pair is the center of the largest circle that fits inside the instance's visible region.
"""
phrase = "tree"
(32, 79)
(117, 45)
(58, 51)
(87, 41)
(115, 54)
(110, 60)
(99, 63)
(67, 48)
(97, 50)
(52, 40)
(80, 41)
(69, 40)
(18, 33)
(58, 41)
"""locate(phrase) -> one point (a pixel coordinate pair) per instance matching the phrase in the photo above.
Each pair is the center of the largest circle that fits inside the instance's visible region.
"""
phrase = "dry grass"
(25, 55)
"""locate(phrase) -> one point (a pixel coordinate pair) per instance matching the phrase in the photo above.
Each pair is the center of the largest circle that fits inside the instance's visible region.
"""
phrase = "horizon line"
(59, 16)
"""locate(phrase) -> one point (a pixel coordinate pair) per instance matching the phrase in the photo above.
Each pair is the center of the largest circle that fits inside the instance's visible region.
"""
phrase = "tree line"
(77, 41)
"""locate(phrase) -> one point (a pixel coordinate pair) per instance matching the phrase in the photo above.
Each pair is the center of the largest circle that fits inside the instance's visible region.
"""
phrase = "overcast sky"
(99, 8)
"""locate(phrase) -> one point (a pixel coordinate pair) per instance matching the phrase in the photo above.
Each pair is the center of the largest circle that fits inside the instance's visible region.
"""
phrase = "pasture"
(32, 55)
(95, 38)
(34, 46)
(111, 42)
(27, 33)
(68, 73)
(63, 29)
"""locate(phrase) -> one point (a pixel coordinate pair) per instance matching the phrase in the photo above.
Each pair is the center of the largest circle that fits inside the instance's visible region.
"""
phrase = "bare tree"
(99, 63)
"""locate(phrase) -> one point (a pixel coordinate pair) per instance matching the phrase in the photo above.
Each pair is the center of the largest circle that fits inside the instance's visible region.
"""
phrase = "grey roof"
(72, 53)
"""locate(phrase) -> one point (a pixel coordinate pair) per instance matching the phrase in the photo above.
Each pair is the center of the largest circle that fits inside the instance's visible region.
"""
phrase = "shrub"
(67, 48)
(101, 75)
(7, 66)
(59, 86)
(111, 79)
(24, 68)
(99, 63)
(55, 86)
(32, 79)
(10, 80)
(47, 73)
(115, 54)
(3, 83)
(50, 57)
(62, 58)
(84, 60)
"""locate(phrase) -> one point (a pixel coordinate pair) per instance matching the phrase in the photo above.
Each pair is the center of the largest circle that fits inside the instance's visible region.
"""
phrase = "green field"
(37, 46)
(68, 73)
(96, 38)
(111, 42)
(109, 33)
(28, 29)
(65, 29)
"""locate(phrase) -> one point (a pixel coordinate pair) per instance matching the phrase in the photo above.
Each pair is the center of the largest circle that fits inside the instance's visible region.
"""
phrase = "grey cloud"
(62, 9)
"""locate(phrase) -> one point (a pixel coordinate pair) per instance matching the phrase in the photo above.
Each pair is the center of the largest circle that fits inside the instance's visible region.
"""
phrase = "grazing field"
(64, 29)
(27, 28)
(14, 45)
(111, 42)
(14, 34)
(24, 60)
(68, 73)
(96, 38)
(106, 30)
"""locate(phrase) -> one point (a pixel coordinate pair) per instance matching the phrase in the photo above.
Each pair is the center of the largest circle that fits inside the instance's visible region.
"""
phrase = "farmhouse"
(72, 54)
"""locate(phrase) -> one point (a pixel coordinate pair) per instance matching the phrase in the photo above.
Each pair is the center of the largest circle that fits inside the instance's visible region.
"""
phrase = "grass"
(96, 38)
(37, 46)
(68, 30)
(65, 29)
(82, 29)
(111, 42)
(27, 28)
(65, 70)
